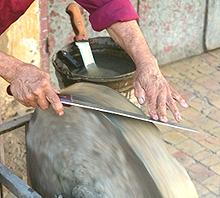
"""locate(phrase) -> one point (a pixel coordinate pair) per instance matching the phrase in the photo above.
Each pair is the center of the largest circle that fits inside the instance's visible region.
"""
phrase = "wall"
(21, 40)
(212, 37)
(174, 29)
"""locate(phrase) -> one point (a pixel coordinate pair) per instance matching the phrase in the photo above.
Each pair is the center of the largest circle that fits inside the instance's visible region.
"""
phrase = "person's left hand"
(153, 89)
(31, 87)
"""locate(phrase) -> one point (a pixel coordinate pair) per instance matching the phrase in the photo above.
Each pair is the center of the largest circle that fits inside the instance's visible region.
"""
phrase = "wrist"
(8, 66)
(148, 63)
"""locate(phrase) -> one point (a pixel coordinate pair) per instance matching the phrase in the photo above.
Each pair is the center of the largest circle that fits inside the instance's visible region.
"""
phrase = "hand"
(153, 89)
(31, 86)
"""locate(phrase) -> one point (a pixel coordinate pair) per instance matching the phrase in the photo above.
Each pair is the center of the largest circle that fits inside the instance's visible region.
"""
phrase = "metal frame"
(7, 178)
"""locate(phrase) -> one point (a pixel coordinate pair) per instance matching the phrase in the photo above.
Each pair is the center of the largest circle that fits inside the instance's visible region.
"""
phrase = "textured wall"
(213, 25)
(21, 41)
(173, 28)
(60, 30)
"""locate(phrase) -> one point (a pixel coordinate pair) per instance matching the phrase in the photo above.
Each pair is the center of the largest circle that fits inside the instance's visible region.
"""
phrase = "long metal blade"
(114, 111)
(86, 53)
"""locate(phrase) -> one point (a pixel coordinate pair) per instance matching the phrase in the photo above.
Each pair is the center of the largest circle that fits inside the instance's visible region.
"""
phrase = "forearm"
(129, 36)
(150, 86)
(28, 84)
(8, 66)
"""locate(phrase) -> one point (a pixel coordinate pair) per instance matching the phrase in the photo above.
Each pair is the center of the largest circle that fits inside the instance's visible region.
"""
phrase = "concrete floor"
(198, 79)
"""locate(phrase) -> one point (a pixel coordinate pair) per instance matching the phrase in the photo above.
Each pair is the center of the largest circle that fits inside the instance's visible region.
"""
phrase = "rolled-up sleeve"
(10, 11)
(104, 13)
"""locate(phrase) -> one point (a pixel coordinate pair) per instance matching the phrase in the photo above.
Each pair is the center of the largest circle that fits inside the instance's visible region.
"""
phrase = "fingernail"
(60, 113)
(141, 100)
(155, 117)
(164, 119)
(178, 117)
(184, 104)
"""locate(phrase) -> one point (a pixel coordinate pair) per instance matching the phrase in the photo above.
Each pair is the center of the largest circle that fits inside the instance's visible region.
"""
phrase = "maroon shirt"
(11, 10)
(103, 13)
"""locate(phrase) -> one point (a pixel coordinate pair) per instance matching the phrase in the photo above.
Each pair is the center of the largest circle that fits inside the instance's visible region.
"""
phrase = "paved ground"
(198, 78)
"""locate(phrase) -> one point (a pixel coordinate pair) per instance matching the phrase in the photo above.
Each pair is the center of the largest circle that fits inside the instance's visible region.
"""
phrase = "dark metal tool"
(69, 100)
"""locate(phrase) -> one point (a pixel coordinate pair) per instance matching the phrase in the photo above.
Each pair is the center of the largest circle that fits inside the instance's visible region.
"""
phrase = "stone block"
(201, 189)
(184, 159)
(190, 147)
(216, 168)
(209, 195)
(213, 25)
(212, 143)
(199, 172)
(212, 160)
(173, 29)
(174, 137)
(202, 155)
(212, 183)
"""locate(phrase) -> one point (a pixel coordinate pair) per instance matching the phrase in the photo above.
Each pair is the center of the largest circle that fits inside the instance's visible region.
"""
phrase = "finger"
(151, 102)
(161, 106)
(139, 92)
(55, 102)
(56, 90)
(42, 101)
(179, 98)
(30, 100)
(173, 108)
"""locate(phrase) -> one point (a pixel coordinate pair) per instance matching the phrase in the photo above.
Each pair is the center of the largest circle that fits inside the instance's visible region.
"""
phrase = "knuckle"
(161, 105)
(54, 101)
(58, 109)
(175, 111)
(161, 112)
(29, 97)
(58, 106)
(171, 102)
(151, 105)
(151, 97)
(152, 112)
(44, 106)
(44, 82)
(34, 105)
(162, 108)
(26, 103)
(37, 91)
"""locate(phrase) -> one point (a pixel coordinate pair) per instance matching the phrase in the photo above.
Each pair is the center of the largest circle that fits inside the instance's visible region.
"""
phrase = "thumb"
(139, 92)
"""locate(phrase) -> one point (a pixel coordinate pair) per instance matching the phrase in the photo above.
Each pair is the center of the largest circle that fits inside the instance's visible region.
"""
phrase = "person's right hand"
(31, 87)
(153, 90)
